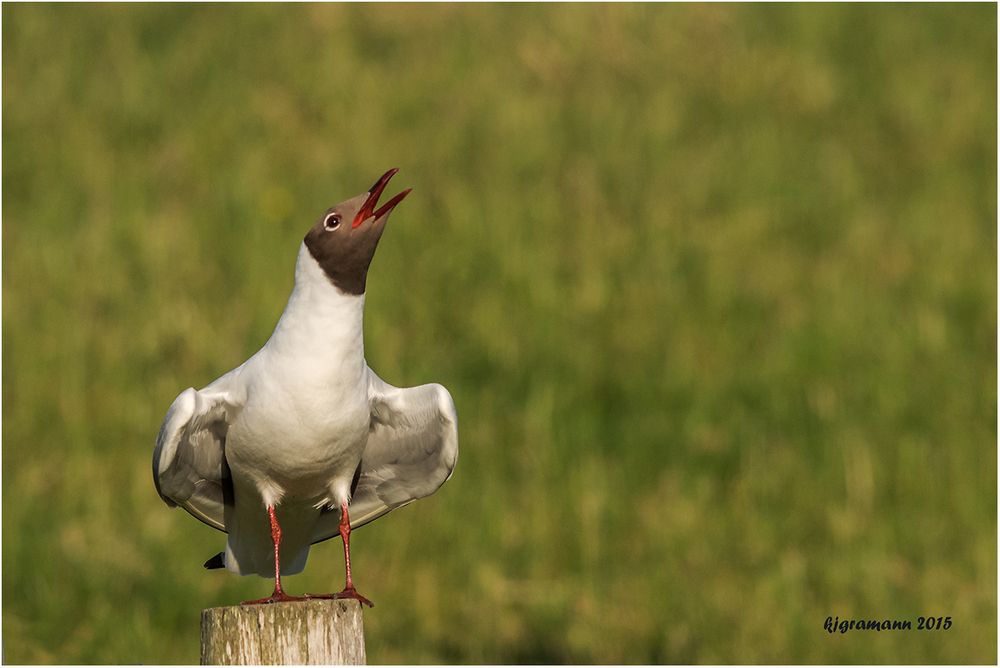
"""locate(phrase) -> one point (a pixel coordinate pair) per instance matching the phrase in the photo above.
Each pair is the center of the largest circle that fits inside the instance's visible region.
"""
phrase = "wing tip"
(446, 404)
(449, 416)
(216, 561)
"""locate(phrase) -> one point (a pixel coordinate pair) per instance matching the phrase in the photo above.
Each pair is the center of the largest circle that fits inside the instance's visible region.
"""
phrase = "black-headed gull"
(303, 441)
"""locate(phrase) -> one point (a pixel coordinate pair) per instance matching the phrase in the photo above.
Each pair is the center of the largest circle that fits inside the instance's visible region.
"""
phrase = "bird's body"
(298, 439)
(304, 429)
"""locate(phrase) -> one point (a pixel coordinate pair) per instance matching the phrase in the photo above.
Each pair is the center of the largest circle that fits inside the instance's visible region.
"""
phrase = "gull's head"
(343, 240)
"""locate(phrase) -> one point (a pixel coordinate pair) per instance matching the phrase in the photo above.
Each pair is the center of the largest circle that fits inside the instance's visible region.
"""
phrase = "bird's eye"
(331, 223)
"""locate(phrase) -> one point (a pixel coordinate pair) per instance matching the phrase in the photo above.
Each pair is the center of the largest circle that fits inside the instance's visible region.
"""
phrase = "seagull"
(303, 441)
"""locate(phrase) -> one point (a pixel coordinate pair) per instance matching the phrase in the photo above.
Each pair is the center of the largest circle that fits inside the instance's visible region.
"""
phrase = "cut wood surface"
(301, 632)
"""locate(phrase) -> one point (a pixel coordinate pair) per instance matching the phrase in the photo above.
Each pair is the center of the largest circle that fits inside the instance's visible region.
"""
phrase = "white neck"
(320, 323)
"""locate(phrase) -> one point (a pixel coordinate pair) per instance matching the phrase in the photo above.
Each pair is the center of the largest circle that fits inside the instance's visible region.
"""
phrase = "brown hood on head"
(343, 241)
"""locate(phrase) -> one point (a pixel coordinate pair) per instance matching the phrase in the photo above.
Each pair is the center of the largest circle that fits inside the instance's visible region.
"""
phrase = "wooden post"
(321, 631)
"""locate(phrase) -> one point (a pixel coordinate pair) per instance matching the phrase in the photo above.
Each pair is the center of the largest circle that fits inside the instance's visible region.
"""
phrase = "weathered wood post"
(321, 631)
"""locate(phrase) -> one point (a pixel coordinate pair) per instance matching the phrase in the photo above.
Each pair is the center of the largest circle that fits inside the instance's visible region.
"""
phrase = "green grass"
(714, 289)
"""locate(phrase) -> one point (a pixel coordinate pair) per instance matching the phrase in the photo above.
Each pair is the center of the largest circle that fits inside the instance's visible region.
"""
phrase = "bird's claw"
(350, 592)
(353, 593)
(276, 597)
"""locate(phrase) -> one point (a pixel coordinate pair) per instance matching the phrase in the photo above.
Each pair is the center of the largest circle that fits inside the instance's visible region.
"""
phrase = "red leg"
(349, 590)
(345, 533)
(279, 595)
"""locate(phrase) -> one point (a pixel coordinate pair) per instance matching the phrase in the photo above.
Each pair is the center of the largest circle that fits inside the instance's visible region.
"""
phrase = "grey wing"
(189, 464)
(411, 451)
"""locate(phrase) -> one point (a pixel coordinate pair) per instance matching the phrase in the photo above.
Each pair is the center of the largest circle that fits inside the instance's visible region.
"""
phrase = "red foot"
(276, 597)
(353, 593)
(347, 593)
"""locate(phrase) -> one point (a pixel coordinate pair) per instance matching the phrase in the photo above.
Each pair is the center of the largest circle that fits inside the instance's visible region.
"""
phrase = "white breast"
(306, 414)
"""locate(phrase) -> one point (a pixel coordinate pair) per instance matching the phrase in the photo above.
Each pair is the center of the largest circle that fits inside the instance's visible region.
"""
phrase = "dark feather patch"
(215, 562)
(357, 477)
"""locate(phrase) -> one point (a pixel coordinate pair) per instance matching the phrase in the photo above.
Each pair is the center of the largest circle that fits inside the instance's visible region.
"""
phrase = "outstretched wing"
(189, 464)
(411, 451)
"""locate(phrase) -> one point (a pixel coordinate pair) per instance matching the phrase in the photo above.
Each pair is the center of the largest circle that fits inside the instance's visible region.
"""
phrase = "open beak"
(368, 208)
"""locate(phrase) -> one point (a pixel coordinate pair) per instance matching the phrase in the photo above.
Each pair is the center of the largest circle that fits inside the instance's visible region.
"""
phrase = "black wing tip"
(217, 561)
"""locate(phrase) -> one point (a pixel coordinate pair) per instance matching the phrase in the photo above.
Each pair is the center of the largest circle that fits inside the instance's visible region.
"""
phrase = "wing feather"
(411, 451)
(189, 464)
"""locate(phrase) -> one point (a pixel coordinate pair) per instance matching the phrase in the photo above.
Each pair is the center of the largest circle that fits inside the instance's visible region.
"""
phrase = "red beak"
(368, 208)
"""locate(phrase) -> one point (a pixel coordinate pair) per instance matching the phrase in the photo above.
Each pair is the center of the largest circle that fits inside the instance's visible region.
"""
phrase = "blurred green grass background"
(713, 286)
